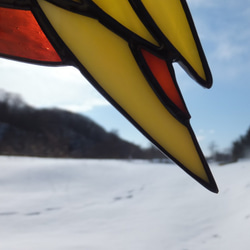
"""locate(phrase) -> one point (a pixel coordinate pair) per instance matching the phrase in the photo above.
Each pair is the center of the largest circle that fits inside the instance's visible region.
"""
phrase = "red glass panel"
(22, 37)
(161, 73)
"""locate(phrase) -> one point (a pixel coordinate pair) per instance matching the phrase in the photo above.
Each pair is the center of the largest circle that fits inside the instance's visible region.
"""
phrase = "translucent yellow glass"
(109, 60)
(171, 19)
(122, 11)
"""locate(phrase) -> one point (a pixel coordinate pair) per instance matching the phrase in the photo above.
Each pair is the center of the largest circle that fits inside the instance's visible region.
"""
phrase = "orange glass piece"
(22, 37)
(161, 73)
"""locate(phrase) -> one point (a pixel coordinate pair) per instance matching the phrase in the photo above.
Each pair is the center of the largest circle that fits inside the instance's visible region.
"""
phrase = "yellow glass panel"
(109, 60)
(171, 19)
(122, 12)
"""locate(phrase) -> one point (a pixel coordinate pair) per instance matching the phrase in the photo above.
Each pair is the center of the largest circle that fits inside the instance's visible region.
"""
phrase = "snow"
(70, 204)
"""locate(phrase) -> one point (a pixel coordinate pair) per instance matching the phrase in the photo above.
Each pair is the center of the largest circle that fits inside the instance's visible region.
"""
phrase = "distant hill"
(27, 131)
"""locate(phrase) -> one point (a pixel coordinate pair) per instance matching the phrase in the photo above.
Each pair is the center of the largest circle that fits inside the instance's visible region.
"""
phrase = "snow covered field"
(122, 205)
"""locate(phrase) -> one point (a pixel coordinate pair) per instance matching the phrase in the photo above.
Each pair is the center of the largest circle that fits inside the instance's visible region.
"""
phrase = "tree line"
(240, 149)
(27, 131)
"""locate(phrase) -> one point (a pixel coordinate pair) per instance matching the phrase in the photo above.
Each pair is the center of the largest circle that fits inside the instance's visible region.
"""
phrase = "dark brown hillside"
(57, 133)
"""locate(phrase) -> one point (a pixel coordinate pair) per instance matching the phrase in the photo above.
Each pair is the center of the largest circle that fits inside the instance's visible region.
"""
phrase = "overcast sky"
(220, 114)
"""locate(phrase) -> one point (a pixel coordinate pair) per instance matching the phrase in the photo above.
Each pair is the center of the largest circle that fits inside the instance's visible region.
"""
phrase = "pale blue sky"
(220, 114)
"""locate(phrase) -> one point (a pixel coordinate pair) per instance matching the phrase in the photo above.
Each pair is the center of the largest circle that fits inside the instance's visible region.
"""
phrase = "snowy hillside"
(120, 205)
